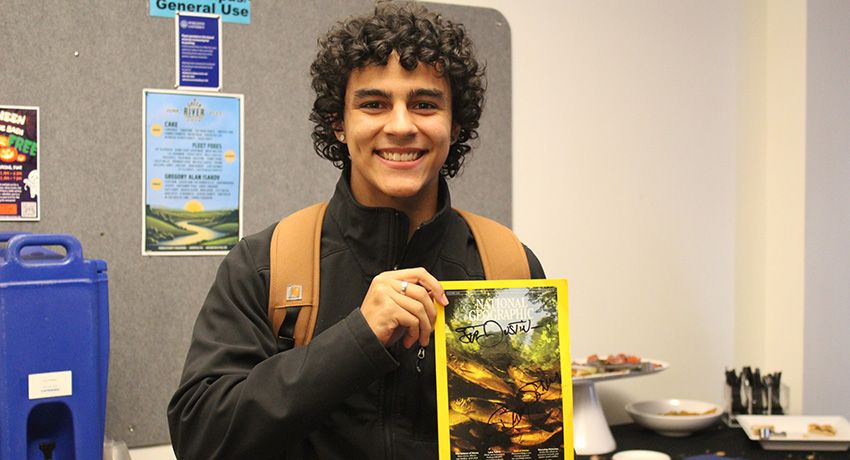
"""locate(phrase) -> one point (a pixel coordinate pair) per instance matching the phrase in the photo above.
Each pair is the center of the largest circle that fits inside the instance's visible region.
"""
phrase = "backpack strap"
(294, 287)
(502, 253)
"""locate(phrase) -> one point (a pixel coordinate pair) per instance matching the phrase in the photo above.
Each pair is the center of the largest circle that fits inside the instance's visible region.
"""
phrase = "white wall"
(771, 170)
(827, 320)
(783, 311)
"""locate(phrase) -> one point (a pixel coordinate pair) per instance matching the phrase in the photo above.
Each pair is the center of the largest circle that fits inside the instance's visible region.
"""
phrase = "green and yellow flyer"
(193, 173)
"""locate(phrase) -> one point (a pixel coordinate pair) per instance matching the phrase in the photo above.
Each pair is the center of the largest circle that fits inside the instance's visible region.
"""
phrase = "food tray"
(796, 428)
(649, 366)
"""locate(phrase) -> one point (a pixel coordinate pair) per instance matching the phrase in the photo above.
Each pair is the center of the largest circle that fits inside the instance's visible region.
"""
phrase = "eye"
(370, 105)
(423, 105)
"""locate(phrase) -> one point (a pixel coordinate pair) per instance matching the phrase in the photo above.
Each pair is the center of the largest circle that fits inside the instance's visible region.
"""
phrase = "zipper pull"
(419, 357)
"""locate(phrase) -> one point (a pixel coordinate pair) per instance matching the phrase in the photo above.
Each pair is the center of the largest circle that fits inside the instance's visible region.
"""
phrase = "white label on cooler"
(50, 385)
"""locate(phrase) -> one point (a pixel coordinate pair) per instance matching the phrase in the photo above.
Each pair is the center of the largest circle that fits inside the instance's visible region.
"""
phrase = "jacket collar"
(377, 237)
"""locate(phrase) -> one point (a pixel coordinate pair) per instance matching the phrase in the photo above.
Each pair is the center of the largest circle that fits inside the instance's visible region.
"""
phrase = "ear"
(455, 132)
(339, 130)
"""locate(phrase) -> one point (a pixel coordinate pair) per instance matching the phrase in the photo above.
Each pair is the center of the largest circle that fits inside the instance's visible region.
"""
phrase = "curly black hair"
(417, 35)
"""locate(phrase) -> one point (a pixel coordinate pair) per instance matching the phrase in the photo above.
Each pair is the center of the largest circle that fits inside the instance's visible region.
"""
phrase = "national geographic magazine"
(504, 389)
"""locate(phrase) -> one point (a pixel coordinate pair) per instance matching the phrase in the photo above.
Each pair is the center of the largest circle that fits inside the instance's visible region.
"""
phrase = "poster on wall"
(19, 182)
(192, 149)
(197, 39)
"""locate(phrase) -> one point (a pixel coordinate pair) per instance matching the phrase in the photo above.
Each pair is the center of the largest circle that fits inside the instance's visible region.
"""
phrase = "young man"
(398, 96)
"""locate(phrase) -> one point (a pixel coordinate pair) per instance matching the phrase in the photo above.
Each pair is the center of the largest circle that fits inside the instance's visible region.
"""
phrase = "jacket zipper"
(389, 396)
(420, 379)
(420, 356)
(400, 241)
(396, 241)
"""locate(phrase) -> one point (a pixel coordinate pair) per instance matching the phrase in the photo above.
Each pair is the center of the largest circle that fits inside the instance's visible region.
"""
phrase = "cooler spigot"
(47, 449)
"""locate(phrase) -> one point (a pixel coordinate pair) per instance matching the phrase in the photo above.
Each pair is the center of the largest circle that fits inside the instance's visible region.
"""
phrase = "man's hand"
(401, 302)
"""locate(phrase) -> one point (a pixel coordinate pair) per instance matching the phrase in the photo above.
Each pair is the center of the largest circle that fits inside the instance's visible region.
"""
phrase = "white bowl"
(650, 414)
(640, 455)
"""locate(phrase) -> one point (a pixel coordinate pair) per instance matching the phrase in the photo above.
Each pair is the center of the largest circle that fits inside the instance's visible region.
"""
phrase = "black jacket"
(344, 396)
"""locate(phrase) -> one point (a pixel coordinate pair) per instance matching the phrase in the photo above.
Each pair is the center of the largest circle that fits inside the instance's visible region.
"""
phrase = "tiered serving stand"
(591, 433)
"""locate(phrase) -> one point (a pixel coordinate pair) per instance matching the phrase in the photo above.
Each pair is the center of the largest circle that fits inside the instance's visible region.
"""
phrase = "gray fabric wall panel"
(91, 156)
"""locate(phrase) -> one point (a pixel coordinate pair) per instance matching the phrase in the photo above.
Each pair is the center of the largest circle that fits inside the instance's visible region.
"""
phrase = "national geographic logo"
(194, 111)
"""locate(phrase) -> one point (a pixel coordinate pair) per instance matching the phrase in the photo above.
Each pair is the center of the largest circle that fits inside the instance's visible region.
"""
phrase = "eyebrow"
(420, 92)
(427, 92)
(369, 92)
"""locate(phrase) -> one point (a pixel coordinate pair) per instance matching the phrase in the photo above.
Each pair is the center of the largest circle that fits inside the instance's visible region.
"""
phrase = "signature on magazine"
(510, 414)
(492, 331)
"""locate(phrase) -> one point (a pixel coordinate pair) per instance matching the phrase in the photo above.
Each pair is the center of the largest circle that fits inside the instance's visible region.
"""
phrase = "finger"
(421, 276)
(420, 294)
(417, 309)
(405, 319)
(414, 283)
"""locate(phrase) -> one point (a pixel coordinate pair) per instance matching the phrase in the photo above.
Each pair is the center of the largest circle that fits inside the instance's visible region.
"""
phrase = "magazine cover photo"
(501, 392)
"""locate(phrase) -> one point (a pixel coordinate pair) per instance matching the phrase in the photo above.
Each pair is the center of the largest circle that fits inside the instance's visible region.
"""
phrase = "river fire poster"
(192, 172)
(19, 175)
(504, 388)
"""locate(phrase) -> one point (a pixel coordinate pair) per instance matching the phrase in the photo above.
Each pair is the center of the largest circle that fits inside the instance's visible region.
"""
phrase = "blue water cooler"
(54, 349)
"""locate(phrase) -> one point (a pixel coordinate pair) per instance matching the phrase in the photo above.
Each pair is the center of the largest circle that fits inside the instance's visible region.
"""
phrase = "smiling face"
(398, 129)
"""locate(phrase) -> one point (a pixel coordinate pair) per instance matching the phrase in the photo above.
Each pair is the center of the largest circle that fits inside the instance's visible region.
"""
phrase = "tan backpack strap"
(294, 272)
(502, 253)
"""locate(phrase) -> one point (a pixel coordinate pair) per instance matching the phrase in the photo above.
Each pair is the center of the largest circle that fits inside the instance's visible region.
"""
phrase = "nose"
(401, 122)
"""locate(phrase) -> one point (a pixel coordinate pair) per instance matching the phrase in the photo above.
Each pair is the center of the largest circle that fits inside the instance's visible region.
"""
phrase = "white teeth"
(395, 156)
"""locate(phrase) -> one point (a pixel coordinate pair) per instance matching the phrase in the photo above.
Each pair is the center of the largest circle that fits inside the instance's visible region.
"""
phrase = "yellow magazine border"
(564, 347)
